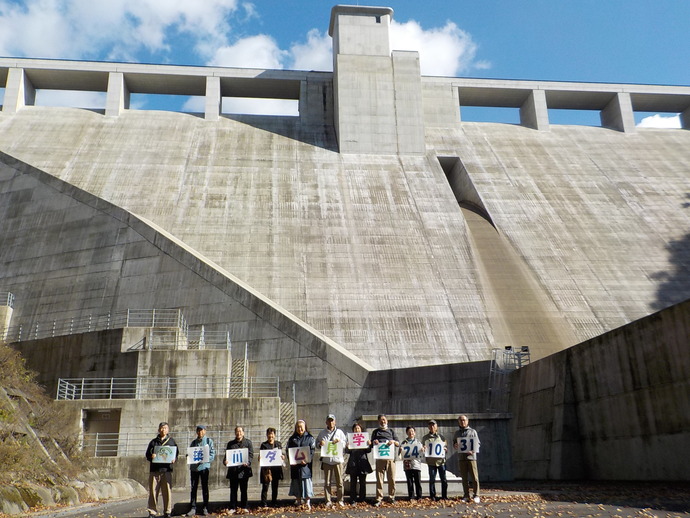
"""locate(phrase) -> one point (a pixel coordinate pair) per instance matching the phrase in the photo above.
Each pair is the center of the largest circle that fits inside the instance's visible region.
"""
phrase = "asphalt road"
(537, 500)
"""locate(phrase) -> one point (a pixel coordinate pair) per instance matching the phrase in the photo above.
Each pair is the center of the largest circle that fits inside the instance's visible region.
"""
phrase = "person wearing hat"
(437, 462)
(200, 470)
(332, 466)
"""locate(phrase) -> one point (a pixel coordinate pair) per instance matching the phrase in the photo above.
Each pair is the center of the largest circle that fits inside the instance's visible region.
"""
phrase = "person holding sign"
(271, 467)
(435, 448)
(300, 452)
(203, 452)
(358, 467)
(161, 454)
(385, 444)
(238, 457)
(466, 441)
(411, 450)
(332, 441)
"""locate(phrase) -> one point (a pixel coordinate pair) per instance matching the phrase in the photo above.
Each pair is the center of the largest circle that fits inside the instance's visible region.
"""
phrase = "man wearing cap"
(200, 470)
(332, 465)
(437, 462)
(161, 447)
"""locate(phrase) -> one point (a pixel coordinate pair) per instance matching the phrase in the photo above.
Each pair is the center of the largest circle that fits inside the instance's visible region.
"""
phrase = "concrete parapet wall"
(612, 408)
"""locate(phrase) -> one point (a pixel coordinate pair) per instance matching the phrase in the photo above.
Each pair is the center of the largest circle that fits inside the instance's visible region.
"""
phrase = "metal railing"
(158, 318)
(133, 444)
(164, 387)
(6, 299)
(167, 329)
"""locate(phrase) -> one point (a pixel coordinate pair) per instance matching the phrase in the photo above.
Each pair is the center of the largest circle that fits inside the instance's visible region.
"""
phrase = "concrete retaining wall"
(613, 408)
(16, 500)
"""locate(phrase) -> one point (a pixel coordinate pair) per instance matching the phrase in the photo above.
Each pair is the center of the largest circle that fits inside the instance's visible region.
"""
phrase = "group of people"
(432, 450)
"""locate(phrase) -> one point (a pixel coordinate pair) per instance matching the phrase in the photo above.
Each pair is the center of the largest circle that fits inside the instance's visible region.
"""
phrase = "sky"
(616, 41)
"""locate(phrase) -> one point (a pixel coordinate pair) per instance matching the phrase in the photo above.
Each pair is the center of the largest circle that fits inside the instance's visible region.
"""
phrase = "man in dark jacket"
(387, 436)
(161, 453)
(239, 474)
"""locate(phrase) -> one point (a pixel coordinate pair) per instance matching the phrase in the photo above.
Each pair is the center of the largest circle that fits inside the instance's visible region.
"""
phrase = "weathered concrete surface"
(100, 257)
(614, 407)
(16, 500)
(372, 250)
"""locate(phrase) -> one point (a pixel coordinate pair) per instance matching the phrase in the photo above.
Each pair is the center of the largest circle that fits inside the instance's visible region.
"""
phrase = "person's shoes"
(329, 505)
(308, 505)
(204, 512)
(341, 503)
(166, 515)
(466, 499)
(192, 512)
(152, 514)
(476, 499)
(232, 511)
(378, 503)
(245, 511)
(392, 500)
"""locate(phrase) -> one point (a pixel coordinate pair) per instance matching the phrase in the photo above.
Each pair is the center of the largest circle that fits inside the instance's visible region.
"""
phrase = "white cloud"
(259, 51)
(660, 121)
(443, 51)
(118, 29)
(315, 54)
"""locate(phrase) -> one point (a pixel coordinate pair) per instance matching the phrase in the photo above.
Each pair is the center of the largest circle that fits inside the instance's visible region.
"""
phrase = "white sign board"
(164, 454)
(236, 457)
(333, 450)
(198, 454)
(358, 440)
(466, 444)
(384, 451)
(411, 451)
(435, 449)
(299, 455)
(269, 458)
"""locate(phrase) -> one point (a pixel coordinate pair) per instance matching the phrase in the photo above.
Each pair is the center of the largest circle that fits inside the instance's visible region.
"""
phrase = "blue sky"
(618, 41)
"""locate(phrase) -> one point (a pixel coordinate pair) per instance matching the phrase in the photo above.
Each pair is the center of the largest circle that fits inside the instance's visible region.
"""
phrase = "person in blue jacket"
(199, 471)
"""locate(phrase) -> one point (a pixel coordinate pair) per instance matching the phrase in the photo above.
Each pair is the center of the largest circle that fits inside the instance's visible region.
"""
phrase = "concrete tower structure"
(370, 254)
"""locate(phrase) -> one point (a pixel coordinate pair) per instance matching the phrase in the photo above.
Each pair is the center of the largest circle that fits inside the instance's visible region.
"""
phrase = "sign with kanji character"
(270, 458)
(333, 450)
(198, 454)
(237, 456)
(384, 451)
(357, 440)
(435, 449)
(299, 455)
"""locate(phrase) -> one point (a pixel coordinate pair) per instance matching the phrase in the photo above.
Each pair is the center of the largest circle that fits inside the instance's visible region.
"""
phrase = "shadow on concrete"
(319, 135)
(674, 285)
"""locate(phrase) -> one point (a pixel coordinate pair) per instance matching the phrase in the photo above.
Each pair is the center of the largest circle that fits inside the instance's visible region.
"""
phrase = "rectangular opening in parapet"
(575, 117)
(70, 98)
(2, 96)
(657, 120)
(168, 103)
(490, 114)
(256, 106)
(101, 431)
